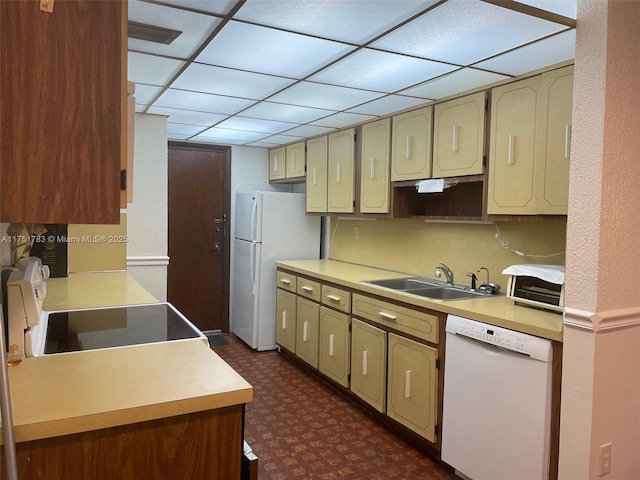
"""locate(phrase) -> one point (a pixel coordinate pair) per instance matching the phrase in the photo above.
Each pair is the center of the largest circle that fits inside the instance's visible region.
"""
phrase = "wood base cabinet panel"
(286, 319)
(334, 346)
(368, 363)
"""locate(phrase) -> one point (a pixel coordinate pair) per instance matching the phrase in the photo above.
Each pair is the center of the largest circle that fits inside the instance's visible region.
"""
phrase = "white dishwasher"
(497, 402)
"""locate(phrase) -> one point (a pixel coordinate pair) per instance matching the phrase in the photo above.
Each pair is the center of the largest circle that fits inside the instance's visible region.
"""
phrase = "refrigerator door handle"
(254, 213)
(253, 268)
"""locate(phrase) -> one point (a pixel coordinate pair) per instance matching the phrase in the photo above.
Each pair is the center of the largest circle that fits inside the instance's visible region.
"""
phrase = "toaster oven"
(540, 286)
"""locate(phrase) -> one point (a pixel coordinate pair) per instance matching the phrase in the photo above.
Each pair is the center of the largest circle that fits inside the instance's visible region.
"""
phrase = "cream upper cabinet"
(286, 319)
(341, 180)
(529, 146)
(317, 149)
(458, 136)
(411, 145)
(368, 363)
(374, 171)
(553, 177)
(334, 346)
(295, 155)
(412, 384)
(277, 163)
(308, 315)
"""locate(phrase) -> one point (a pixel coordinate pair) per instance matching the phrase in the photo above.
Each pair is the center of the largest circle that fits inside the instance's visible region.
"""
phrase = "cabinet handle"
(338, 173)
(407, 384)
(386, 315)
(275, 164)
(293, 161)
(331, 345)
(307, 288)
(365, 366)
(286, 281)
(304, 331)
(372, 173)
(407, 149)
(315, 175)
(333, 298)
(510, 157)
(284, 320)
(567, 141)
(454, 147)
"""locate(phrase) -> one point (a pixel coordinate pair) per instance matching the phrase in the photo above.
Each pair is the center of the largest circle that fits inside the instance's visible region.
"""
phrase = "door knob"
(217, 249)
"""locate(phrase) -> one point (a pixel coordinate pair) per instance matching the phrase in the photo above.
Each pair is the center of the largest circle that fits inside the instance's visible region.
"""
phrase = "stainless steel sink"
(425, 287)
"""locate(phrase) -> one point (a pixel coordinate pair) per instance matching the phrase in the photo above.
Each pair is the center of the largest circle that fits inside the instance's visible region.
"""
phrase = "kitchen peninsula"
(161, 410)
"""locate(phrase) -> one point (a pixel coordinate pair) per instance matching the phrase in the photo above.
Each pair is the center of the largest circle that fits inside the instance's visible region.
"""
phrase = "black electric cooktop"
(80, 330)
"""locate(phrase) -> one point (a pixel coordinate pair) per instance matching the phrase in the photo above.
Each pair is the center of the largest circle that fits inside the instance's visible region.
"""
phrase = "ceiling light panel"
(457, 82)
(188, 116)
(228, 82)
(202, 102)
(281, 139)
(556, 49)
(184, 130)
(466, 31)
(145, 93)
(285, 113)
(224, 134)
(566, 8)
(255, 125)
(353, 21)
(266, 50)
(195, 28)
(328, 97)
(308, 131)
(151, 69)
(387, 105)
(219, 7)
(381, 71)
(342, 119)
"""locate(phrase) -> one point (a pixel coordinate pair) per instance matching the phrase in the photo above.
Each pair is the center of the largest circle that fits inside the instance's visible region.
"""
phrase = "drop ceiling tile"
(188, 116)
(381, 71)
(255, 125)
(145, 93)
(195, 28)
(217, 140)
(281, 139)
(266, 50)
(556, 49)
(218, 133)
(466, 31)
(457, 82)
(285, 113)
(203, 102)
(566, 8)
(177, 136)
(262, 144)
(387, 105)
(349, 21)
(182, 129)
(151, 69)
(220, 7)
(329, 97)
(308, 131)
(225, 81)
(342, 119)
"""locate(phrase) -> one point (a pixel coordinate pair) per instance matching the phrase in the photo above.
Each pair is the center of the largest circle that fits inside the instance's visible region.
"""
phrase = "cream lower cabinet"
(412, 384)
(368, 363)
(317, 175)
(334, 346)
(307, 316)
(341, 172)
(374, 168)
(286, 319)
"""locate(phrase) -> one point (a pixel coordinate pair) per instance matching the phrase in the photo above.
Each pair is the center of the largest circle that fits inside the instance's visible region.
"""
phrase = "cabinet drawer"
(336, 298)
(308, 288)
(286, 280)
(413, 322)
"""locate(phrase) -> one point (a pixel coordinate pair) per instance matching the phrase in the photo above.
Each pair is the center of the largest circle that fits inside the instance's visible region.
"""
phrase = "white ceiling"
(271, 72)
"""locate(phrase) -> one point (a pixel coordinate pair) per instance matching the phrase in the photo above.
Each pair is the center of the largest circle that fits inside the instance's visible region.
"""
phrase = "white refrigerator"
(268, 226)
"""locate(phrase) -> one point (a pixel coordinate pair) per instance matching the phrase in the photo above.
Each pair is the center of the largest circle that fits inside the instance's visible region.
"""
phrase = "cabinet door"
(411, 145)
(308, 315)
(334, 345)
(277, 163)
(295, 160)
(555, 113)
(368, 363)
(63, 92)
(512, 148)
(374, 173)
(458, 136)
(341, 172)
(317, 174)
(286, 319)
(412, 384)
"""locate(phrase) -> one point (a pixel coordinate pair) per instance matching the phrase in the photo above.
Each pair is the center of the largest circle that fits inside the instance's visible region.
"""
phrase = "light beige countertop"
(82, 391)
(497, 310)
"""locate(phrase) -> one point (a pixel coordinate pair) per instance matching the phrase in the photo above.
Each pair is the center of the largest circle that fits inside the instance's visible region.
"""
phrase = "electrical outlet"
(605, 458)
(357, 233)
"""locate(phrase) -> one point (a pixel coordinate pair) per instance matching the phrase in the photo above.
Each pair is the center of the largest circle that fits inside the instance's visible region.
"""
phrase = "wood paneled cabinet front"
(411, 145)
(277, 163)
(334, 346)
(286, 319)
(63, 92)
(317, 155)
(530, 145)
(341, 172)
(368, 363)
(375, 186)
(307, 325)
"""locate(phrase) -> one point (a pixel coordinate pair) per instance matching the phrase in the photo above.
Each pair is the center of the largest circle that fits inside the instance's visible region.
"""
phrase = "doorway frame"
(225, 150)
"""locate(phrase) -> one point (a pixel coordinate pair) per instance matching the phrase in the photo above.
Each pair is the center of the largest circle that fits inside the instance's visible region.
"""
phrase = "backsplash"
(415, 246)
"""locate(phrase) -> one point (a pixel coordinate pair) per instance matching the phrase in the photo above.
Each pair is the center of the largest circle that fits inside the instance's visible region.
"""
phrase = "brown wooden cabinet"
(63, 92)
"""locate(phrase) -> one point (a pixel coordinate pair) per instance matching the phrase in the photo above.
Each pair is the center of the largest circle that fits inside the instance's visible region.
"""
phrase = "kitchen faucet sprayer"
(447, 273)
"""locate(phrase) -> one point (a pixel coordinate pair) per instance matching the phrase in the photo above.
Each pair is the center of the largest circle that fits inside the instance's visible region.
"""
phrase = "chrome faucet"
(447, 273)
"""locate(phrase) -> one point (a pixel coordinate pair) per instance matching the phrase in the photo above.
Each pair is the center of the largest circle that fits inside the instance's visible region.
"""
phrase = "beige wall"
(415, 246)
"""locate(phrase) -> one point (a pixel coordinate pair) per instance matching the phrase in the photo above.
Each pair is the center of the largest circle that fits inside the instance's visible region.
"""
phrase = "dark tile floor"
(300, 428)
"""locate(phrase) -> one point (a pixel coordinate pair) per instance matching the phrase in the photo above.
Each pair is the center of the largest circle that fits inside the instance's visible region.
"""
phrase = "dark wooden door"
(198, 273)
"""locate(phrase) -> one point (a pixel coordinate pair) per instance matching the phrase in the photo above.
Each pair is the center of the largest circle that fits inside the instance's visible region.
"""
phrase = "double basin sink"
(426, 287)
